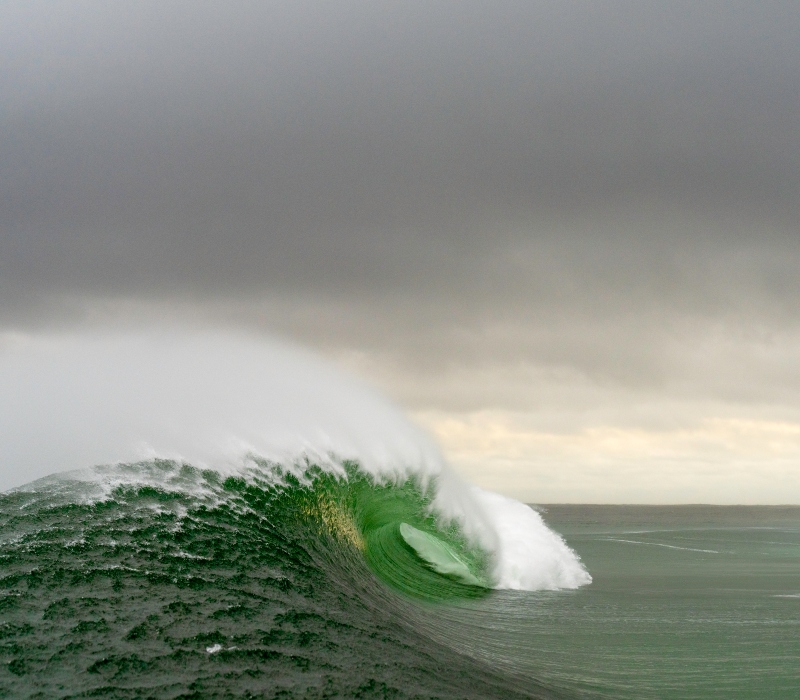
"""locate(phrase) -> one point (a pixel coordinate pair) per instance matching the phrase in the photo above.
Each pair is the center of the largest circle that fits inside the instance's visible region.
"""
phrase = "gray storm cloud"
(387, 148)
(605, 189)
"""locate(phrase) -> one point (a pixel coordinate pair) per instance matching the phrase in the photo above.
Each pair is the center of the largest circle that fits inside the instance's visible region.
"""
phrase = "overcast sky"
(565, 236)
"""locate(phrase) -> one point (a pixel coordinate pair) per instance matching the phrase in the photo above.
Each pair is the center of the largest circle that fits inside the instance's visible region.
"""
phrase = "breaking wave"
(238, 499)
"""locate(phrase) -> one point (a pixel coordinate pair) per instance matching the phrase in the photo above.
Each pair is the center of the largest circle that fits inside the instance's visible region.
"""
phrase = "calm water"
(686, 602)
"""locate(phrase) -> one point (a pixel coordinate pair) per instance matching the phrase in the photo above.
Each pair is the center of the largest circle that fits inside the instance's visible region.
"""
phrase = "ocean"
(686, 602)
(161, 580)
(225, 517)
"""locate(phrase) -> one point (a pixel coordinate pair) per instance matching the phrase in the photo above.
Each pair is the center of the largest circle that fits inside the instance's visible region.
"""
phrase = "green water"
(686, 602)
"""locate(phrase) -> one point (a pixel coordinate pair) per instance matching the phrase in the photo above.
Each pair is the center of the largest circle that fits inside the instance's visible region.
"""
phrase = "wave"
(164, 579)
(225, 403)
(240, 502)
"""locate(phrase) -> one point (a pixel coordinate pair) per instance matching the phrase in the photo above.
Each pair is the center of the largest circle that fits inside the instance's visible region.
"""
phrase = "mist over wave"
(229, 403)
(73, 401)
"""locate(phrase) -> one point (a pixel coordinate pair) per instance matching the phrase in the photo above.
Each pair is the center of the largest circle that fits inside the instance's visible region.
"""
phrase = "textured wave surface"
(185, 583)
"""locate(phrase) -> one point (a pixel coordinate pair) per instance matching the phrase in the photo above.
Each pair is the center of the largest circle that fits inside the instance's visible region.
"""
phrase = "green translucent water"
(438, 555)
(686, 602)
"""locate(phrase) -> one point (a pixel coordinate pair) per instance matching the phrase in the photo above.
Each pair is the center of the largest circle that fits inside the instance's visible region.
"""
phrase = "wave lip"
(529, 556)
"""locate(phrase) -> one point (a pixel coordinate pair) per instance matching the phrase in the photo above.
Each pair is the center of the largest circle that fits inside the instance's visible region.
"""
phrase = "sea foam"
(70, 402)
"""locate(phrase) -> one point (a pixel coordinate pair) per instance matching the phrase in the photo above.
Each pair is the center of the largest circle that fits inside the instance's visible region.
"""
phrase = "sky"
(563, 236)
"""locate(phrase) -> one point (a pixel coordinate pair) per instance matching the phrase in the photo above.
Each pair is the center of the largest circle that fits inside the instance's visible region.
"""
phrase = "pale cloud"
(714, 461)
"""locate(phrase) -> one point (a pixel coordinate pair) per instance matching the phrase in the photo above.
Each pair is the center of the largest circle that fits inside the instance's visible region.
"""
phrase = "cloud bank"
(572, 216)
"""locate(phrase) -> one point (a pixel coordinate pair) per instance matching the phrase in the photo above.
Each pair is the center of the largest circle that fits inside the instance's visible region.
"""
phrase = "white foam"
(659, 544)
(529, 556)
(70, 402)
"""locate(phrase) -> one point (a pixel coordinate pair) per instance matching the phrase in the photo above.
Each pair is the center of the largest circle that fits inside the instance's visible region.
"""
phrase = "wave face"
(159, 579)
(269, 549)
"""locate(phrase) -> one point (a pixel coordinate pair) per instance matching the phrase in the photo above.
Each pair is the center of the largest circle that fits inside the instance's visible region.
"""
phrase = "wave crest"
(233, 405)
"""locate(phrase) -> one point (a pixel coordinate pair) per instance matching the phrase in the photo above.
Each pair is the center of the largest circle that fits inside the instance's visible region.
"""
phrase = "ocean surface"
(228, 517)
(158, 579)
(686, 602)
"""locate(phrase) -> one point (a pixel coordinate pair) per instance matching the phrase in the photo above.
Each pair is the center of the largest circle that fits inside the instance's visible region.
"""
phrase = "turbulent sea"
(238, 556)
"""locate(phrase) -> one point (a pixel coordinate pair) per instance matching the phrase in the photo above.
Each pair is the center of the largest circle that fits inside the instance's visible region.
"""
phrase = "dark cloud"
(432, 170)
